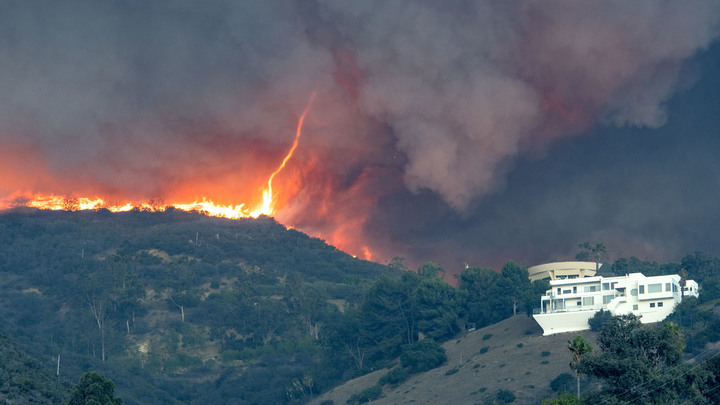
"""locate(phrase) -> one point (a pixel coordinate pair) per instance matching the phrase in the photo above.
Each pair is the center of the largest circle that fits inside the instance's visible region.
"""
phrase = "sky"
(455, 132)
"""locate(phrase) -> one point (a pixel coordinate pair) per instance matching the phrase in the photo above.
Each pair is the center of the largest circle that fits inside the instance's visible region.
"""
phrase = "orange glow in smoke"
(59, 202)
(367, 253)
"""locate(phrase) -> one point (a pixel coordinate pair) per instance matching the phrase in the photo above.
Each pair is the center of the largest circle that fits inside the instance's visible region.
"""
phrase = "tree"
(637, 361)
(94, 389)
(438, 306)
(431, 270)
(515, 283)
(422, 356)
(683, 282)
(96, 292)
(592, 252)
(599, 319)
(483, 296)
(389, 315)
(579, 348)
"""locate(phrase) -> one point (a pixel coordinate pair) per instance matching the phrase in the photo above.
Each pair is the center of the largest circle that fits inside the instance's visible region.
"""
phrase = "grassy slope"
(522, 370)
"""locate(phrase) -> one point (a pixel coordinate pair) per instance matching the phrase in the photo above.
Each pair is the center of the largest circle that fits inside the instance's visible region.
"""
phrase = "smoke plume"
(423, 109)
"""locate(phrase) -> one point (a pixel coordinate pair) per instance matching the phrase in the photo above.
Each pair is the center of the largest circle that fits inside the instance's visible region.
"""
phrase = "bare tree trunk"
(357, 354)
(98, 307)
(182, 309)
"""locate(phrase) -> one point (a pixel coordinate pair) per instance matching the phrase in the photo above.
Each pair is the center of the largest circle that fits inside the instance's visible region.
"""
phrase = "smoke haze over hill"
(454, 131)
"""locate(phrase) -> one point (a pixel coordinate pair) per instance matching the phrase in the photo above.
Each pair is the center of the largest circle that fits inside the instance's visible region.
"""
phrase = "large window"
(591, 288)
(588, 301)
(607, 298)
(654, 288)
(642, 289)
(667, 287)
(633, 292)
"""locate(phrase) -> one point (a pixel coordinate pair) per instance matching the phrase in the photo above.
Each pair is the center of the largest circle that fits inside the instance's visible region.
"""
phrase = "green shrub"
(544, 354)
(422, 356)
(369, 394)
(487, 336)
(563, 383)
(394, 377)
(505, 396)
(484, 350)
(599, 319)
(520, 345)
(565, 398)
(452, 371)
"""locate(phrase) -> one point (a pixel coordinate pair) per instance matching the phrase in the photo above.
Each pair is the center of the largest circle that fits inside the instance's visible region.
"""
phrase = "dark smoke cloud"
(428, 116)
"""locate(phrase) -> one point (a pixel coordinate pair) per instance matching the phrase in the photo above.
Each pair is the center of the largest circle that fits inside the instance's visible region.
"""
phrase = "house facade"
(570, 303)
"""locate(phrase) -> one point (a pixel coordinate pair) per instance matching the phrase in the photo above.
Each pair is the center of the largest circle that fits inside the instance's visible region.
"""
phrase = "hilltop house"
(570, 302)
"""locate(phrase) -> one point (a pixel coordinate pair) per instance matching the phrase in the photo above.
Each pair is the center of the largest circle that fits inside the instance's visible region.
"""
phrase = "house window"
(633, 292)
(660, 304)
(654, 288)
(567, 291)
(605, 286)
(652, 305)
(588, 301)
(675, 288)
(578, 302)
(558, 290)
(574, 289)
(635, 307)
(667, 287)
(591, 288)
(642, 289)
(607, 298)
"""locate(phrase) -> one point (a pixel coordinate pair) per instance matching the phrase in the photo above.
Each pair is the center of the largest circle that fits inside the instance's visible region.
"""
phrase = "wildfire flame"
(267, 206)
(58, 202)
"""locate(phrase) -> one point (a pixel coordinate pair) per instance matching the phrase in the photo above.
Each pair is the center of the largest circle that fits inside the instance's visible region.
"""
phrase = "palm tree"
(579, 347)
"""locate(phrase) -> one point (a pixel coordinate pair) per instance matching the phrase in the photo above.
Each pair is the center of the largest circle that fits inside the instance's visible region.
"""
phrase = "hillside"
(24, 379)
(518, 358)
(175, 306)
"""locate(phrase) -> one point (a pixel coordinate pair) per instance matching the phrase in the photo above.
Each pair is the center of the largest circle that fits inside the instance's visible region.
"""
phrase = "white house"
(569, 303)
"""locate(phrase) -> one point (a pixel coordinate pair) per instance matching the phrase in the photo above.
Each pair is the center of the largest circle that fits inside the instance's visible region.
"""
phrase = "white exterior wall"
(568, 305)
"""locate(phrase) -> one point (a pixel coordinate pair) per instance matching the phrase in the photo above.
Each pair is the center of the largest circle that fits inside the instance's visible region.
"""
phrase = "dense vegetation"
(24, 379)
(175, 306)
